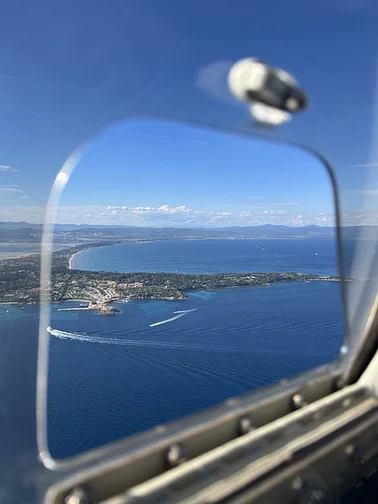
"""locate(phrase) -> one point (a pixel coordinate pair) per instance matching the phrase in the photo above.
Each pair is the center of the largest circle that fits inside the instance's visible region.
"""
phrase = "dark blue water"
(213, 256)
(114, 376)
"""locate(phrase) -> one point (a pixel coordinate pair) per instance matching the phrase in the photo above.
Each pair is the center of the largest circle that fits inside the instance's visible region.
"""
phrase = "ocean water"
(213, 256)
(115, 376)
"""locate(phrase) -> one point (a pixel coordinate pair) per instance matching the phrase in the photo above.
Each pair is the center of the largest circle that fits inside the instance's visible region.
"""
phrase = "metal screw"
(175, 455)
(344, 349)
(346, 402)
(291, 104)
(77, 496)
(298, 401)
(245, 426)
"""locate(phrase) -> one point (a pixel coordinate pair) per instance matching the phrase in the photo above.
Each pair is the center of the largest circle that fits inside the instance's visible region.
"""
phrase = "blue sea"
(114, 376)
(213, 256)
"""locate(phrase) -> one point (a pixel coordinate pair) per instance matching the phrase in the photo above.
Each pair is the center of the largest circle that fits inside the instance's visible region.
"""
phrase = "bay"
(213, 256)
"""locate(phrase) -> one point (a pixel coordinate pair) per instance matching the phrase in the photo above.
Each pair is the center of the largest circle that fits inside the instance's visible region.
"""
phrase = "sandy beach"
(16, 255)
(70, 261)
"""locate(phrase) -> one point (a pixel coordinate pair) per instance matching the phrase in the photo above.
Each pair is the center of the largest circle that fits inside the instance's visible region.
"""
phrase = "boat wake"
(186, 311)
(181, 313)
(167, 320)
(167, 345)
(93, 338)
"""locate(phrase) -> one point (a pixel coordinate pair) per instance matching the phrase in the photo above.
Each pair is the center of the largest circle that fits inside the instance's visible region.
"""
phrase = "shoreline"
(88, 246)
(188, 292)
(70, 259)
(77, 285)
(20, 255)
(141, 241)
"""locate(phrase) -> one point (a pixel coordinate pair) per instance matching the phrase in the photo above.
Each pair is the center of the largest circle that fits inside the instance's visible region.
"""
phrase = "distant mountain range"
(26, 232)
(267, 229)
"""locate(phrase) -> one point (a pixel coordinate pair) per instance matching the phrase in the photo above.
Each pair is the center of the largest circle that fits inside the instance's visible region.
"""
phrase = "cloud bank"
(10, 189)
(7, 168)
(166, 215)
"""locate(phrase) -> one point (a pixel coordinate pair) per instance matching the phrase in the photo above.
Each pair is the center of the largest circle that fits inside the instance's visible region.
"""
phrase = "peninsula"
(19, 282)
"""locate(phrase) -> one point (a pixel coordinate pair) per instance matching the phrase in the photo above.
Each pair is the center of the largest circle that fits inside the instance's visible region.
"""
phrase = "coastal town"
(96, 290)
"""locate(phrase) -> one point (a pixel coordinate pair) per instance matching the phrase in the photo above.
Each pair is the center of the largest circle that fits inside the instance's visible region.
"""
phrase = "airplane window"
(188, 267)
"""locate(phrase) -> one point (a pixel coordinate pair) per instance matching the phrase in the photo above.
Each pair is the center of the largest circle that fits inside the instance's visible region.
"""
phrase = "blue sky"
(74, 71)
(158, 173)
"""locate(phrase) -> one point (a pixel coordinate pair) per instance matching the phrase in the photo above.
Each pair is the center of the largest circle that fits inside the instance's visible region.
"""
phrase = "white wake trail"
(168, 320)
(86, 338)
(172, 345)
(185, 311)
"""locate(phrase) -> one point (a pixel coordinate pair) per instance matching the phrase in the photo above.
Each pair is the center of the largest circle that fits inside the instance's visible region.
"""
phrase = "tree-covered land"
(19, 281)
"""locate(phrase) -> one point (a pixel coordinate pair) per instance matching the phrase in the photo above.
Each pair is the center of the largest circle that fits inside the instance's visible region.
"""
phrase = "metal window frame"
(304, 437)
(119, 466)
(136, 461)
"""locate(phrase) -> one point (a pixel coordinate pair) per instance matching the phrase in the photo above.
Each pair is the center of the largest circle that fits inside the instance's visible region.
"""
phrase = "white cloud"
(365, 165)
(10, 189)
(117, 207)
(276, 212)
(7, 168)
(175, 215)
(183, 215)
(166, 209)
(163, 209)
(13, 188)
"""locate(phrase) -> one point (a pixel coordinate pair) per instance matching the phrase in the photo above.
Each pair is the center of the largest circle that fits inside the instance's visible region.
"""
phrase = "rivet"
(343, 349)
(77, 496)
(245, 426)
(175, 455)
(291, 104)
(298, 401)
(346, 402)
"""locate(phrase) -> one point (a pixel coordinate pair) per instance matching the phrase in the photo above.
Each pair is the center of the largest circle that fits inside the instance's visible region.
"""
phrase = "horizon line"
(183, 227)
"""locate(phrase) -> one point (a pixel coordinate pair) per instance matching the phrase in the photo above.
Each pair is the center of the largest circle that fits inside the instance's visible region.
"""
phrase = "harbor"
(100, 308)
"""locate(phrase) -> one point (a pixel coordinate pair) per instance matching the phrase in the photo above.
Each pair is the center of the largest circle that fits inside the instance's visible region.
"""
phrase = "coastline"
(89, 247)
(70, 259)
(100, 288)
(188, 292)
